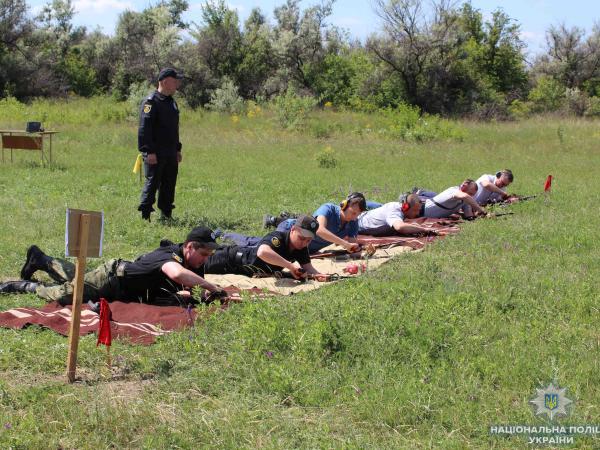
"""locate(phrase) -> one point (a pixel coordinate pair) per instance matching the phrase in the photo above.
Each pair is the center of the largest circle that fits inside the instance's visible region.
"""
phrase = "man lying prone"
(276, 251)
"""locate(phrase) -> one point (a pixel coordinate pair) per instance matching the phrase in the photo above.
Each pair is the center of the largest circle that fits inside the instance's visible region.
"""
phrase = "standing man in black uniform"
(167, 273)
(277, 250)
(158, 140)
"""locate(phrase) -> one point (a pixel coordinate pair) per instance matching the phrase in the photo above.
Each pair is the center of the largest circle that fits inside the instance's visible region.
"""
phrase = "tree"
(145, 42)
(571, 59)
(447, 59)
(15, 30)
(219, 40)
(298, 42)
(257, 55)
(416, 44)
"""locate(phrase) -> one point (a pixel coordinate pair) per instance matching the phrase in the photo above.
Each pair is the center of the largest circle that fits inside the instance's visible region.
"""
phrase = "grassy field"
(428, 352)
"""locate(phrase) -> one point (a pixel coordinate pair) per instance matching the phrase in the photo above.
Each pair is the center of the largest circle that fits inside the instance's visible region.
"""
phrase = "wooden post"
(84, 228)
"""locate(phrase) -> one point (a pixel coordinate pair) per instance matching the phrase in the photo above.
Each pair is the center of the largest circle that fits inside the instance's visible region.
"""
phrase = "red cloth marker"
(548, 183)
(104, 332)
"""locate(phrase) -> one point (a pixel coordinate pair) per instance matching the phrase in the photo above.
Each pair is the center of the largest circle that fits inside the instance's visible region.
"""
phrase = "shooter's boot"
(36, 260)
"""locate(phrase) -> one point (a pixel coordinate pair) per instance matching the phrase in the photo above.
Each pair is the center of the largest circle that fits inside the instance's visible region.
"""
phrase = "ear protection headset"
(404, 205)
(354, 197)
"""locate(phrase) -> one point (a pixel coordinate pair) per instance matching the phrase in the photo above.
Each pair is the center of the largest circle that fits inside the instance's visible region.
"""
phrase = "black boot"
(18, 287)
(166, 242)
(146, 215)
(36, 260)
(269, 221)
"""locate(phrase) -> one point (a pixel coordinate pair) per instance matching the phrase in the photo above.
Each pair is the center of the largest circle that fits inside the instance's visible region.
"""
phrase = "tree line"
(441, 57)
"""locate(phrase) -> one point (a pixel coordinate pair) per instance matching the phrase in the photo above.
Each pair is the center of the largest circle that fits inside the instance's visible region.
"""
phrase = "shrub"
(576, 101)
(82, 77)
(519, 109)
(293, 110)
(593, 109)
(138, 91)
(226, 99)
(405, 122)
(327, 158)
(322, 129)
(547, 95)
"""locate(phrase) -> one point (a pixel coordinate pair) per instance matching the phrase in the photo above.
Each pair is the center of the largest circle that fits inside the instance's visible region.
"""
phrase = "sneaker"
(18, 287)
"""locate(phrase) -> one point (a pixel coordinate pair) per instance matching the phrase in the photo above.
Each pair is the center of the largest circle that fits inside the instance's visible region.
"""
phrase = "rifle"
(510, 200)
(366, 251)
(526, 197)
(309, 276)
(490, 215)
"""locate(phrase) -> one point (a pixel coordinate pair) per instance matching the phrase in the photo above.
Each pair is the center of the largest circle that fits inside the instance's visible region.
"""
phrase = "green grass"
(427, 352)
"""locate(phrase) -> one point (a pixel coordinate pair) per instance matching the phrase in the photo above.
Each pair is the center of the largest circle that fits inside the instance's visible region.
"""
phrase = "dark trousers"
(242, 240)
(161, 176)
(234, 260)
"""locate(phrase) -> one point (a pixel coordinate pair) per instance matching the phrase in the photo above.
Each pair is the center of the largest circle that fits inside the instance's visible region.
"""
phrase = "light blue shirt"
(332, 214)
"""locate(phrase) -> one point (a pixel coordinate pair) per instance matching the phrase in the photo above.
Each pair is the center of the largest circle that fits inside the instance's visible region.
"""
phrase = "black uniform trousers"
(234, 260)
(161, 177)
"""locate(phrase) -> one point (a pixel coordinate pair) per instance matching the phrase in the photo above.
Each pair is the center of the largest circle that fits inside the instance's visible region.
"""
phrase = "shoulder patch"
(177, 258)
(147, 108)
(275, 241)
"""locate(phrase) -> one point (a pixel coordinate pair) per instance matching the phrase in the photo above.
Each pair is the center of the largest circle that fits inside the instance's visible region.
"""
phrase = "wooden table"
(22, 140)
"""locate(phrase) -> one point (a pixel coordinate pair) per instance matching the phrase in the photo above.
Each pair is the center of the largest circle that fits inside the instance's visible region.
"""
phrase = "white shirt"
(449, 205)
(483, 196)
(380, 221)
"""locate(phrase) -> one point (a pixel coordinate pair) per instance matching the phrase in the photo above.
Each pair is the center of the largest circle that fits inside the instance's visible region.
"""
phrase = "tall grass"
(427, 352)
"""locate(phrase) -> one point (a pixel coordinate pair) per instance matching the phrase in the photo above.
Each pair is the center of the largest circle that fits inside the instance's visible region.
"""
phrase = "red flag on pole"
(104, 333)
(548, 183)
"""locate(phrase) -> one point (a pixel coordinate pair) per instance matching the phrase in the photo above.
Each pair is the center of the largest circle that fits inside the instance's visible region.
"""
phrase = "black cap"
(204, 236)
(169, 72)
(307, 225)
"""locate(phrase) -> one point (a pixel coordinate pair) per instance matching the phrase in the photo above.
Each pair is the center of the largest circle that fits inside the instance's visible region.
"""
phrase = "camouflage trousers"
(100, 282)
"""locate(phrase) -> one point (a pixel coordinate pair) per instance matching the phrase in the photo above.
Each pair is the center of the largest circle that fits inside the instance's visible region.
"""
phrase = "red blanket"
(137, 322)
(443, 227)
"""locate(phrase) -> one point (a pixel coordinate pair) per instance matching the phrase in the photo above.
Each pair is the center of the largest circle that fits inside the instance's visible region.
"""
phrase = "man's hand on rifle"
(321, 277)
(209, 297)
(297, 272)
(352, 247)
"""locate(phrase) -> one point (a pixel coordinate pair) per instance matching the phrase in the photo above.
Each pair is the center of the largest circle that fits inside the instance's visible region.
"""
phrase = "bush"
(322, 129)
(81, 77)
(405, 122)
(292, 109)
(327, 158)
(137, 93)
(226, 99)
(519, 109)
(547, 95)
(593, 109)
(576, 101)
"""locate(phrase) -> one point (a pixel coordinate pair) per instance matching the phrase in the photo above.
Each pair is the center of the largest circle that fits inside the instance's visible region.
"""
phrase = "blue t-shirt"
(334, 224)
